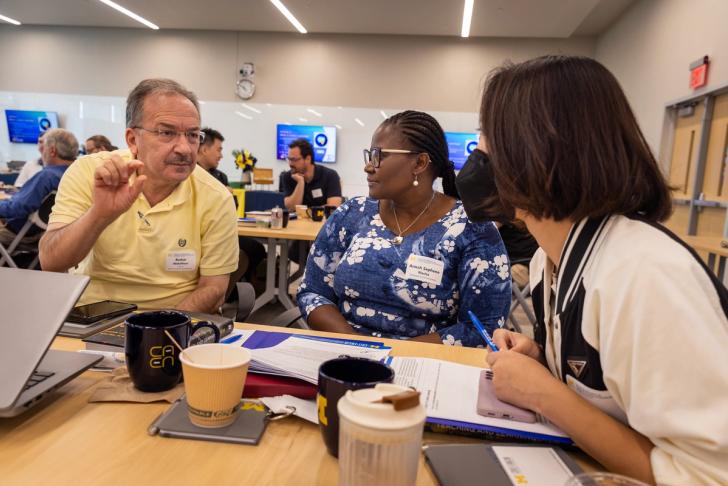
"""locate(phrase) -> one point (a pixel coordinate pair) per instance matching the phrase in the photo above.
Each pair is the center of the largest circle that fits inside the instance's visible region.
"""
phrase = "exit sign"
(699, 73)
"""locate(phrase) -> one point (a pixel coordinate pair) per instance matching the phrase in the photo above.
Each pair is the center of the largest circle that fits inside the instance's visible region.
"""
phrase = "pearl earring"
(415, 182)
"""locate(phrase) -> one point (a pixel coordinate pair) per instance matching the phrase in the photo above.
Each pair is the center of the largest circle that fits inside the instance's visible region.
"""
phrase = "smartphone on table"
(97, 311)
(490, 406)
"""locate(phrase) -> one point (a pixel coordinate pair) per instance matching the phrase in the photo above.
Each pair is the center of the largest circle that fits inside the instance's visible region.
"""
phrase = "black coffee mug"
(286, 217)
(335, 378)
(316, 213)
(152, 359)
(329, 210)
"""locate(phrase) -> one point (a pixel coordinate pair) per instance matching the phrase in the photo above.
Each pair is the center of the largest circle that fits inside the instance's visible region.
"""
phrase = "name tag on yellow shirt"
(424, 269)
(181, 261)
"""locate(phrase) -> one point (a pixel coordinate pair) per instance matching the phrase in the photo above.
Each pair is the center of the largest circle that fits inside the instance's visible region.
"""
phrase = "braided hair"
(425, 134)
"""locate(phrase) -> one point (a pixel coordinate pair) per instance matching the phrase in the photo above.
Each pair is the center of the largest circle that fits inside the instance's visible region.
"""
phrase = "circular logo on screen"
(44, 124)
(471, 146)
(321, 139)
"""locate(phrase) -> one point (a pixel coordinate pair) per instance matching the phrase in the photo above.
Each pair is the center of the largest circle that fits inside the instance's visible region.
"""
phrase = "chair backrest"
(263, 200)
(246, 301)
(262, 175)
(44, 211)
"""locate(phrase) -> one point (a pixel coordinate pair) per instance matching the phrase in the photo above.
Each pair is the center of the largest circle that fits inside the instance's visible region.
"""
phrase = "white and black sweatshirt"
(634, 322)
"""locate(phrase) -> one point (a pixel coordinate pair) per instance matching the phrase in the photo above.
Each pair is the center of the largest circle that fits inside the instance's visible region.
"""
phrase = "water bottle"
(380, 441)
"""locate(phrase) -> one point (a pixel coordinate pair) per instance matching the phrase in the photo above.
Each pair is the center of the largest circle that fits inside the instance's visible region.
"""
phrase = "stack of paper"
(299, 356)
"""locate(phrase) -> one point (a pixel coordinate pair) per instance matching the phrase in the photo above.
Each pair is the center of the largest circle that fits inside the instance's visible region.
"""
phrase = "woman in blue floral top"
(406, 262)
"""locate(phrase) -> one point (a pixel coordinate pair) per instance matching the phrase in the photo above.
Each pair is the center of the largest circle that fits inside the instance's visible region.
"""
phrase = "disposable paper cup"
(214, 376)
(302, 211)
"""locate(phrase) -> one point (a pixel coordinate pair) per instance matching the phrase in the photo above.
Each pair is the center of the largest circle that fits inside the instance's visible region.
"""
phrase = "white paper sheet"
(450, 391)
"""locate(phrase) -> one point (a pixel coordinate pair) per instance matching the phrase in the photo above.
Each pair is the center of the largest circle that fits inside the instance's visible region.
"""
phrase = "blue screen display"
(25, 126)
(460, 145)
(322, 138)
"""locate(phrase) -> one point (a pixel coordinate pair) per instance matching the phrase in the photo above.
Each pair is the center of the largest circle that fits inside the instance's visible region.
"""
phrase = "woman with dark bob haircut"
(629, 356)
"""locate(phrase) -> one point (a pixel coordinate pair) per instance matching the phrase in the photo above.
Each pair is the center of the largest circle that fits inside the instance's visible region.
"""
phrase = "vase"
(246, 179)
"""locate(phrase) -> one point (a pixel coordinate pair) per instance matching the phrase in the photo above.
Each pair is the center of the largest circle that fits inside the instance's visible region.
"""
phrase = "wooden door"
(685, 153)
(715, 183)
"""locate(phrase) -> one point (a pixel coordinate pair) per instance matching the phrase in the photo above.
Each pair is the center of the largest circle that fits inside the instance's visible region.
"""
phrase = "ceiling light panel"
(129, 13)
(288, 15)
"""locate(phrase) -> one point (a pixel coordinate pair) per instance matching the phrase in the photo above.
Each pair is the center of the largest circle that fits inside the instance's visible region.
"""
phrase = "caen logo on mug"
(159, 356)
(181, 242)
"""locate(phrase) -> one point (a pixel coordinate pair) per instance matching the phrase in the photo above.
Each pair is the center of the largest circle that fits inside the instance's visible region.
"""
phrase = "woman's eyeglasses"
(373, 157)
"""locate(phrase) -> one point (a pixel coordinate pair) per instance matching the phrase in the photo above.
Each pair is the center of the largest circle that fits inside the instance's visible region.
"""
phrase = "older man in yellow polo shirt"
(147, 224)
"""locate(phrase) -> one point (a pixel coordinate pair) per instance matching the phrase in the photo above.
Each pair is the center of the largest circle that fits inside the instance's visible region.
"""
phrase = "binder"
(257, 385)
(299, 356)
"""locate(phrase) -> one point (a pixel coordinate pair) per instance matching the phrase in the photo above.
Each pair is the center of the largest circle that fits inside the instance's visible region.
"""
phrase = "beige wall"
(429, 73)
(650, 48)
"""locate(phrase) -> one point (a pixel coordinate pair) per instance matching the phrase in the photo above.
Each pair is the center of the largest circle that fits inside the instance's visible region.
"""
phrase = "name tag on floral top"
(424, 269)
(181, 261)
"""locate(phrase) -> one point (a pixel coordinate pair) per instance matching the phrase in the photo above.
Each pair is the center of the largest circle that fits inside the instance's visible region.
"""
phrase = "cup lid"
(365, 408)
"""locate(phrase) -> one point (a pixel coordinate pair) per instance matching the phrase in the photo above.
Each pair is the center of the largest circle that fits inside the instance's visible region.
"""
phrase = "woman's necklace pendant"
(397, 240)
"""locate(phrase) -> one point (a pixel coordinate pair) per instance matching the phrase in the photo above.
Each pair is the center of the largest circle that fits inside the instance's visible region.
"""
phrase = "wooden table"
(711, 245)
(70, 441)
(297, 230)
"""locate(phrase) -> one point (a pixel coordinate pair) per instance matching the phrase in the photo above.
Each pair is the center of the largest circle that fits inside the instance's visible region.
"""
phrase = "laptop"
(33, 306)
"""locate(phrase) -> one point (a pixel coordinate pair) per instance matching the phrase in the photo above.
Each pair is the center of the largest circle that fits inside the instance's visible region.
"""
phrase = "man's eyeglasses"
(374, 156)
(194, 137)
(293, 159)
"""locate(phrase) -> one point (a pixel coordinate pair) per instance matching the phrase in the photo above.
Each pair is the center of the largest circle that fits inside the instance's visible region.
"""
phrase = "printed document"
(450, 392)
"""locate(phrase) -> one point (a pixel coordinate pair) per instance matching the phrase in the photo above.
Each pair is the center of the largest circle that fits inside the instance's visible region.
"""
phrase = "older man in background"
(59, 149)
(147, 224)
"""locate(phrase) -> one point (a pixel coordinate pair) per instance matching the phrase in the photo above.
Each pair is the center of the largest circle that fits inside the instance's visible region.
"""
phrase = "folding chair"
(40, 219)
(519, 296)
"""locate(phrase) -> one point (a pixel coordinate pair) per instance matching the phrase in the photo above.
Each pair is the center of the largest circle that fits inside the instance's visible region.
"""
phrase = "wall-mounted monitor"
(26, 126)
(322, 138)
(460, 145)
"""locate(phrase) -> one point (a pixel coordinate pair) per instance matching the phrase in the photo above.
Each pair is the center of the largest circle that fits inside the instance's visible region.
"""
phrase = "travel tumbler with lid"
(380, 436)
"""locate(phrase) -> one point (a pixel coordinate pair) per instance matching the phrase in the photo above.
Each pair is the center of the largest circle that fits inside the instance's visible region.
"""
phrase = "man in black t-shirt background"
(307, 183)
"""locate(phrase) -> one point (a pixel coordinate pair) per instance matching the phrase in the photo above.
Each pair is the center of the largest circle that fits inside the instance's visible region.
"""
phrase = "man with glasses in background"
(307, 183)
(147, 224)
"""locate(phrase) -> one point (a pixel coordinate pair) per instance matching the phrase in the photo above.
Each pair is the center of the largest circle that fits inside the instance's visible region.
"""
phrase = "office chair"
(246, 301)
(40, 219)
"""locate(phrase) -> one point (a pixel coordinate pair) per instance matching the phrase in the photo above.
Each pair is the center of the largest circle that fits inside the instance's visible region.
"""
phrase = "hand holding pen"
(508, 340)
(515, 341)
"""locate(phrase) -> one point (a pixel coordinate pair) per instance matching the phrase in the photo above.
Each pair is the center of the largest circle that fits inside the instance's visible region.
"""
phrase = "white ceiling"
(491, 18)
